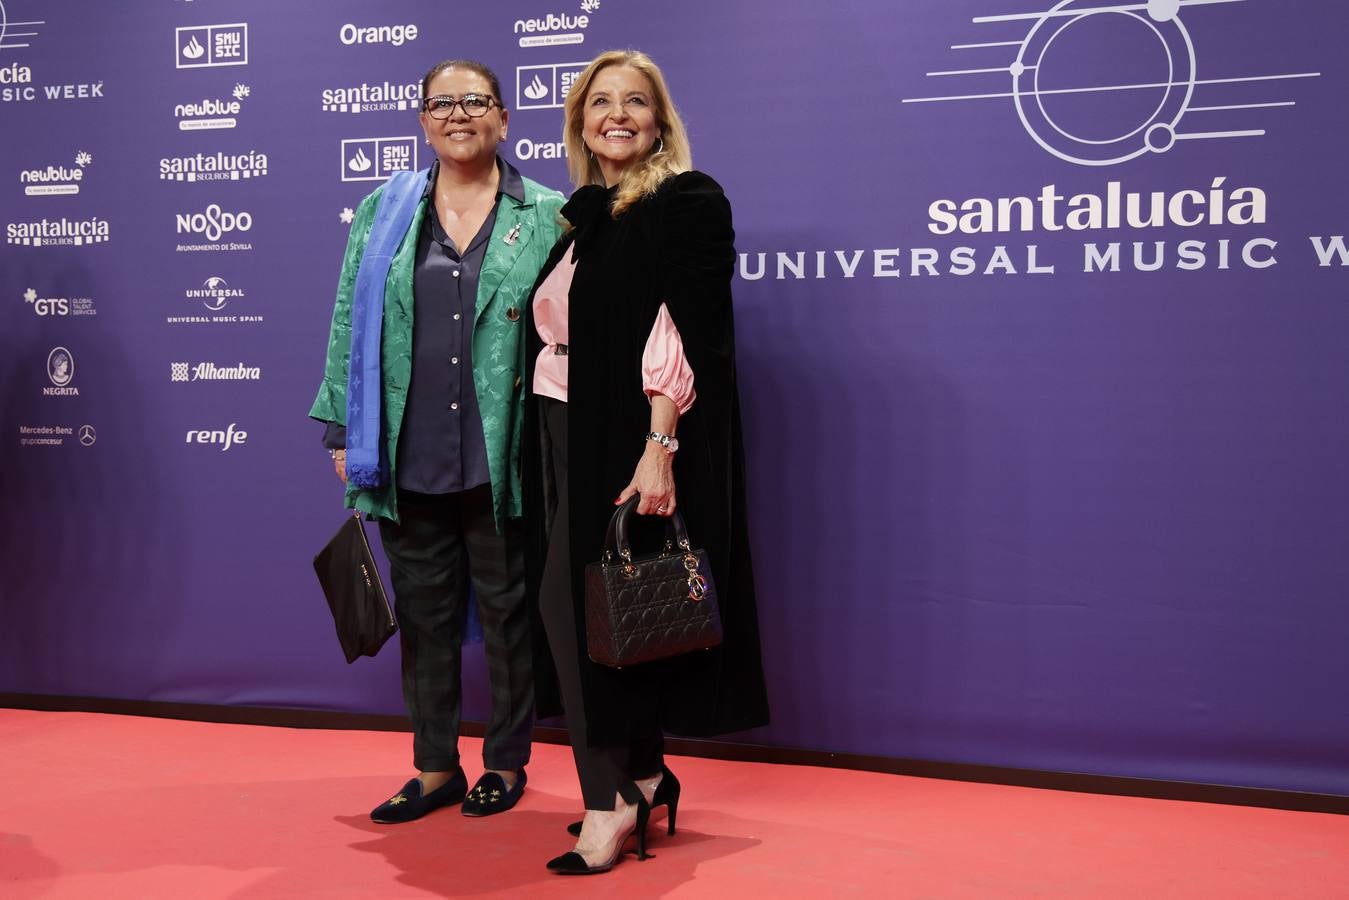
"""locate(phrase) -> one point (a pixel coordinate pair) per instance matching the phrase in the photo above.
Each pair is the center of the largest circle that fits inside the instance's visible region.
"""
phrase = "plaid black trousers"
(442, 541)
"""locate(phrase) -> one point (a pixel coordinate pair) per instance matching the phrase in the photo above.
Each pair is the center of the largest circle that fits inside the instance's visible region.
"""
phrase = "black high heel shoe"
(574, 863)
(667, 794)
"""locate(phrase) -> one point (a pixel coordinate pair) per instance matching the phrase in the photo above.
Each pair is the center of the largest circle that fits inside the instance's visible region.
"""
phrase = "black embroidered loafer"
(410, 803)
(490, 795)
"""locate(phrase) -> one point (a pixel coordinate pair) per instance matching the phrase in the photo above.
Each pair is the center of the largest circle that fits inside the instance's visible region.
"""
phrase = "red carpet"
(98, 806)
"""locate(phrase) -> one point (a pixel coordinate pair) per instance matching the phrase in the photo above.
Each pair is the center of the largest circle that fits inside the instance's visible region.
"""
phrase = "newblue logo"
(209, 46)
(555, 29)
(212, 113)
(55, 180)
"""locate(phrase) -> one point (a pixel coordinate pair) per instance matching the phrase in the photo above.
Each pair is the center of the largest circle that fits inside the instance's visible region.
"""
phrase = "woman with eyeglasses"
(423, 398)
(630, 339)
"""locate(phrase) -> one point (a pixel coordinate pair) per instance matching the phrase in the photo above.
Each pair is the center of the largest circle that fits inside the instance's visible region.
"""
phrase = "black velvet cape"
(676, 247)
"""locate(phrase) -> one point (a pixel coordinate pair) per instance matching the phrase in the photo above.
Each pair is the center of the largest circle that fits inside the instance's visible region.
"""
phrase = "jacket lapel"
(510, 235)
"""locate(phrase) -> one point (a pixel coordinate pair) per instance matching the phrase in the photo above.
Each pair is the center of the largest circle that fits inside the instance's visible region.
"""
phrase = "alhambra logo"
(366, 97)
(58, 232)
(212, 113)
(208, 371)
(1145, 97)
(56, 180)
(214, 167)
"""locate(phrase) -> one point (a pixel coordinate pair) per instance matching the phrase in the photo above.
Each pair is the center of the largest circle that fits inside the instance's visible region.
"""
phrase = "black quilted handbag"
(651, 607)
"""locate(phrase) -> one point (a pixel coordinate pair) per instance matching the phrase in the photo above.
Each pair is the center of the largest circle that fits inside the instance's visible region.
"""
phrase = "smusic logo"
(375, 159)
(209, 46)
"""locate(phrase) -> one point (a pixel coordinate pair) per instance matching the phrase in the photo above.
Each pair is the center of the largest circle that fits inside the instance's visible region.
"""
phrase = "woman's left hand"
(654, 480)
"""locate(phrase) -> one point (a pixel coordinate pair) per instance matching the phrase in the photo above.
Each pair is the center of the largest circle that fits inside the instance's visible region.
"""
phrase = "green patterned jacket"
(508, 274)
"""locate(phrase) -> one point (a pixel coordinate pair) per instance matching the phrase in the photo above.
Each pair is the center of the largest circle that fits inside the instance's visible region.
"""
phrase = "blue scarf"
(367, 465)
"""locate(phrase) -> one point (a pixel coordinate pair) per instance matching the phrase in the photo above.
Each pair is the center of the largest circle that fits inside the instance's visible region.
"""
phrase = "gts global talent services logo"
(213, 166)
(59, 306)
(212, 113)
(55, 180)
(375, 159)
(210, 46)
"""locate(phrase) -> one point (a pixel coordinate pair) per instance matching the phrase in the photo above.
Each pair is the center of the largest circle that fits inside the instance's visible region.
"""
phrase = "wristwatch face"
(671, 444)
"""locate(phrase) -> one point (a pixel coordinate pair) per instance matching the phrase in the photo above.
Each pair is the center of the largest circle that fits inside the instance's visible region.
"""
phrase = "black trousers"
(442, 540)
(601, 769)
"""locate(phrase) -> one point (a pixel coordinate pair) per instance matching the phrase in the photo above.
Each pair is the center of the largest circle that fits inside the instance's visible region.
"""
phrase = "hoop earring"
(660, 145)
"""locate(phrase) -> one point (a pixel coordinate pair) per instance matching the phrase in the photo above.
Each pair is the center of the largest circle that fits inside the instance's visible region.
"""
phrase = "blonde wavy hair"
(643, 177)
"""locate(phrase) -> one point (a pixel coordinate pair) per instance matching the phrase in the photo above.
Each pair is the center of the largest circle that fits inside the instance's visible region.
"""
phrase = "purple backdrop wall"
(1031, 503)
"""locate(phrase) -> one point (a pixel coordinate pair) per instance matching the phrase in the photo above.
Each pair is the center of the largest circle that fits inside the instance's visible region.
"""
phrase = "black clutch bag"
(651, 607)
(350, 581)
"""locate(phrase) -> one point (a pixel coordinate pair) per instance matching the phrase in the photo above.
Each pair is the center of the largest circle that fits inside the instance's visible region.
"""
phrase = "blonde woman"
(629, 343)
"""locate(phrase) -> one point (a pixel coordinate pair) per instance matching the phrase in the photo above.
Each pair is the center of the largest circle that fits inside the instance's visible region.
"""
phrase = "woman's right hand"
(340, 464)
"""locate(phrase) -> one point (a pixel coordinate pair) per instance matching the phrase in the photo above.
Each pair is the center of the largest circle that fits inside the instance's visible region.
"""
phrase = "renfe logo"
(226, 439)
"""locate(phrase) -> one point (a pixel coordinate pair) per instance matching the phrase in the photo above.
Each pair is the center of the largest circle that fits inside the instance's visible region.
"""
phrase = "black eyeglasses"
(475, 106)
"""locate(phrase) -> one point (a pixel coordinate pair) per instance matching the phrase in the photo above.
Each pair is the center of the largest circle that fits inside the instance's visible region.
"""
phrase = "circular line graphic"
(1157, 130)
(1151, 118)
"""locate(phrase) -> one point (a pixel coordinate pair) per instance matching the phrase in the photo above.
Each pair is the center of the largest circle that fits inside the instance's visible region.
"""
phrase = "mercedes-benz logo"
(88, 435)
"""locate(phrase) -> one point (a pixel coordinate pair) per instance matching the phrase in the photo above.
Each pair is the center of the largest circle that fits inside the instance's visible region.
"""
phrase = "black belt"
(559, 349)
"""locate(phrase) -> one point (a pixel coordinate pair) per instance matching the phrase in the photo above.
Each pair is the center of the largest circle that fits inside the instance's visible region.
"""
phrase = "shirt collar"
(511, 184)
